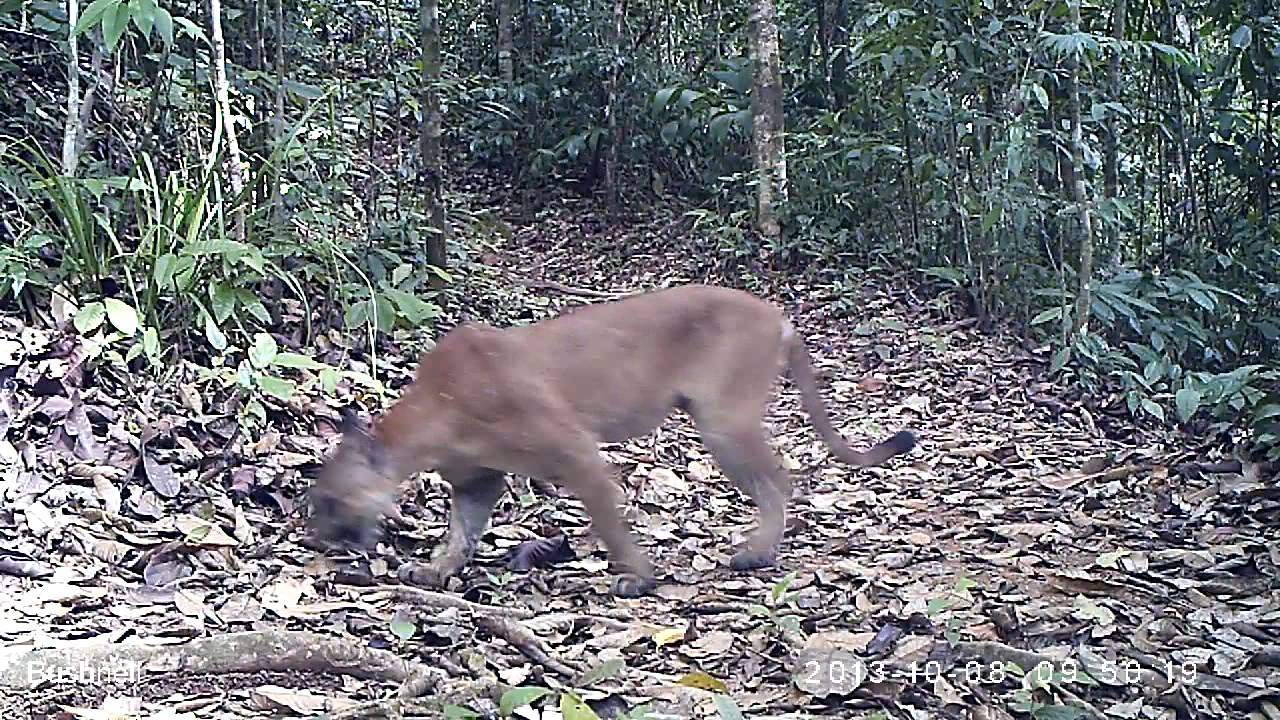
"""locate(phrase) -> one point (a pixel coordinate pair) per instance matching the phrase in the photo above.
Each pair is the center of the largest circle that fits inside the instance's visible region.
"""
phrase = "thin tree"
(1084, 295)
(506, 44)
(71, 130)
(1111, 150)
(612, 107)
(223, 102)
(79, 110)
(768, 153)
(429, 32)
(277, 199)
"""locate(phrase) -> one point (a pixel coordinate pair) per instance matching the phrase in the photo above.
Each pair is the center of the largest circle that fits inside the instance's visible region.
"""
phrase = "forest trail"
(1021, 527)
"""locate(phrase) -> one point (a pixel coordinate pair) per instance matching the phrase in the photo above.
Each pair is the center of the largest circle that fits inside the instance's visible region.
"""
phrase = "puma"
(537, 400)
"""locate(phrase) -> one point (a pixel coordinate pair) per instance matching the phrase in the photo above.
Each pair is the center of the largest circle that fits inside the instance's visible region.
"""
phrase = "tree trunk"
(612, 107)
(429, 30)
(71, 128)
(767, 123)
(837, 26)
(1111, 153)
(277, 199)
(1077, 185)
(506, 44)
(234, 168)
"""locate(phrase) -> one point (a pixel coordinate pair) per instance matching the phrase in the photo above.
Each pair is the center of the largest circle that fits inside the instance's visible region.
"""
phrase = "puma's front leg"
(472, 499)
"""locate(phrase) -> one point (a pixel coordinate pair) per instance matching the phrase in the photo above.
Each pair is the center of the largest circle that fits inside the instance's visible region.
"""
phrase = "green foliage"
(568, 701)
(1177, 348)
(920, 134)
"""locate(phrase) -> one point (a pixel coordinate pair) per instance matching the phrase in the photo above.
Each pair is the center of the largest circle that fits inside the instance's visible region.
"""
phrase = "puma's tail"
(801, 367)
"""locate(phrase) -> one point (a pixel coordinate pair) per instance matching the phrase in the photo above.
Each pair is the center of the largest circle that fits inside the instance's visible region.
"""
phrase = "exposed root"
(432, 599)
(523, 639)
(269, 650)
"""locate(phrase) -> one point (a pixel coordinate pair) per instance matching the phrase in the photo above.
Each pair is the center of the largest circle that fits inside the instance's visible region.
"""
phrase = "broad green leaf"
(1188, 401)
(258, 310)
(518, 697)
(1267, 412)
(122, 316)
(216, 339)
(151, 342)
(329, 380)
(662, 98)
(385, 313)
(403, 629)
(1053, 313)
(295, 360)
(144, 16)
(114, 22)
(135, 352)
(414, 308)
(264, 350)
(164, 269)
(357, 314)
(277, 387)
(164, 25)
(457, 712)
(1153, 409)
(90, 317)
(93, 14)
(223, 301)
(573, 708)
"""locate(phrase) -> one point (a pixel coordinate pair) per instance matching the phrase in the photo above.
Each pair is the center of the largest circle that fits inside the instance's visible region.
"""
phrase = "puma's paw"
(423, 574)
(748, 559)
(630, 585)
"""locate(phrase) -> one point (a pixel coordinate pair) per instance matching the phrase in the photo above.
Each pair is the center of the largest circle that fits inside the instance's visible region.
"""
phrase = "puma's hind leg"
(746, 458)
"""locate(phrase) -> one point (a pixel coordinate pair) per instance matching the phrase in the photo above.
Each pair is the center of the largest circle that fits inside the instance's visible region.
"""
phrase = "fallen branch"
(523, 639)
(254, 651)
(432, 599)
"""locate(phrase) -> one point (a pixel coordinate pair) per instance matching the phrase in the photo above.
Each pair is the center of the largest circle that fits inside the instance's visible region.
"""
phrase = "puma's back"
(536, 400)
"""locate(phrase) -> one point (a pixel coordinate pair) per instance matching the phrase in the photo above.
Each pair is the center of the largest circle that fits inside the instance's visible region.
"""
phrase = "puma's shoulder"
(468, 348)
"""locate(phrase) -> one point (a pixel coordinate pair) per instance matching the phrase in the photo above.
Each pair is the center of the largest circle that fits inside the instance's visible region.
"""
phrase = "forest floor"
(140, 516)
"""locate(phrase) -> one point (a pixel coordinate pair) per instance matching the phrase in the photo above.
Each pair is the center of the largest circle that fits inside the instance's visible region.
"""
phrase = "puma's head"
(353, 492)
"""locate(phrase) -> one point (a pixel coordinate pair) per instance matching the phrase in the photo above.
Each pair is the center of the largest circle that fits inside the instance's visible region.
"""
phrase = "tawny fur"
(537, 400)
